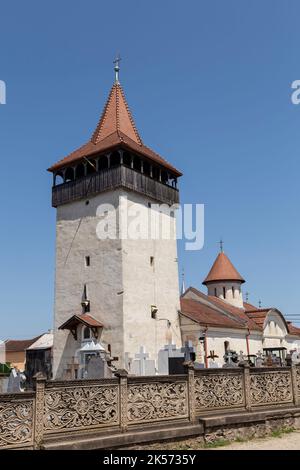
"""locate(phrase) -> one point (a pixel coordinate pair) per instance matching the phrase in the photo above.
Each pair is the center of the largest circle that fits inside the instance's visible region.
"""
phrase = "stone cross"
(188, 349)
(142, 356)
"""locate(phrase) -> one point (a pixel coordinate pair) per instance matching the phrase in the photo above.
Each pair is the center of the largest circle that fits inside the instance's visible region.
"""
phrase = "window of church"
(87, 261)
(215, 292)
(151, 260)
(224, 292)
(232, 291)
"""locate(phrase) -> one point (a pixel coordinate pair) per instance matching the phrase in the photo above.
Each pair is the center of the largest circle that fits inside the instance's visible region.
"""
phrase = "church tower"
(224, 281)
(119, 293)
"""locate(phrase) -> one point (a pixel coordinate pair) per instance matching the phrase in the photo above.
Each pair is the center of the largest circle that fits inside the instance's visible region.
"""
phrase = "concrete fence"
(63, 409)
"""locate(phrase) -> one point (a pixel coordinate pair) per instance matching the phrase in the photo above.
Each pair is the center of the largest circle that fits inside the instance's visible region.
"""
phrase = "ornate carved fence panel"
(218, 389)
(16, 420)
(81, 405)
(157, 399)
(272, 387)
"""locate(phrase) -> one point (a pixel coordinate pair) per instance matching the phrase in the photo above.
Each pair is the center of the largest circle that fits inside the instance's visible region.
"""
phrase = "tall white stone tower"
(224, 281)
(117, 293)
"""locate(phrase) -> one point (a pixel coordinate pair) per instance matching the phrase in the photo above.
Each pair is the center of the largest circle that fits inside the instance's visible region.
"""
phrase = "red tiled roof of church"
(116, 126)
(223, 270)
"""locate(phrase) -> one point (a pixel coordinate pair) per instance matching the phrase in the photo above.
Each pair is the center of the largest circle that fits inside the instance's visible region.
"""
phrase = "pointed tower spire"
(116, 118)
(183, 282)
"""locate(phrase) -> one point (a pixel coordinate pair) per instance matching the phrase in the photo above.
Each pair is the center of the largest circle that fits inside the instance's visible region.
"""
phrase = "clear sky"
(209, 84)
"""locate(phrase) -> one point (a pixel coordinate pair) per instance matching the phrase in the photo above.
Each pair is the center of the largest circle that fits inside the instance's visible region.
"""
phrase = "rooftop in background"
(18, 345)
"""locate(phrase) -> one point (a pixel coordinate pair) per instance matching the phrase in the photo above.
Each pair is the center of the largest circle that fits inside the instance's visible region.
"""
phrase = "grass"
(217, 443)
(281, 432)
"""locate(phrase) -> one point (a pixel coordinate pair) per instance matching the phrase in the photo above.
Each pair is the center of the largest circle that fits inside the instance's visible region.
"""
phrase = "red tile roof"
(236, 313)
(116, 128)
(19, 345)
(206, 315)
(223, 270)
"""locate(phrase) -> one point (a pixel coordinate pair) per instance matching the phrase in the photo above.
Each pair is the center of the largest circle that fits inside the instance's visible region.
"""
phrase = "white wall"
(233, 292)
(122, 285)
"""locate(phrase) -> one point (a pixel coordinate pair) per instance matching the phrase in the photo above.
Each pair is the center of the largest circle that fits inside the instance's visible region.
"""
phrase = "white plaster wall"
(122, 285)
(234, 297)
(103, 277)
(216, 338)
(147, 284)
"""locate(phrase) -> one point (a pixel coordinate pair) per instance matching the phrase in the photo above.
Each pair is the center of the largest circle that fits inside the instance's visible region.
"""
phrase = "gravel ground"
(285, 442)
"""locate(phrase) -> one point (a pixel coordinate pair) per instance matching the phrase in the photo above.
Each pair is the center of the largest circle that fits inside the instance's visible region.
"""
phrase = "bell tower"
(123, 289)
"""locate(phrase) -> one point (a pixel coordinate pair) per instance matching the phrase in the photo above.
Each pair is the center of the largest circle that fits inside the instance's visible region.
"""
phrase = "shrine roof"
(84, 319)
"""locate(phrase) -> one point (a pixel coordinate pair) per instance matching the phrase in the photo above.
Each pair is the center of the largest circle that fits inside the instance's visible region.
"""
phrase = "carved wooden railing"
(105, 180)
(62, 408)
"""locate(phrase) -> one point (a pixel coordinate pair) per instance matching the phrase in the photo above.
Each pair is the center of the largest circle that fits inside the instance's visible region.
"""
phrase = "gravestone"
(230, 359)
(142, 365)
(164, 355)
(176, 365)
(95, 368)
(259, 360)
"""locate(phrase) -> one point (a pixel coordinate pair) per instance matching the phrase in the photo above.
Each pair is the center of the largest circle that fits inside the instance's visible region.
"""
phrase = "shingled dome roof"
(223, 270)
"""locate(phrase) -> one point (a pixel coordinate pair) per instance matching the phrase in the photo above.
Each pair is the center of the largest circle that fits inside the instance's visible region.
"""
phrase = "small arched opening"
(58, 178)
(127, 158)
(103, 163)
(91, 166)
(87, 333)
(164, 177)
(137, 163)
(155, 173)
(147, 168)
(80, 171)
(69, 175)
(115, 159)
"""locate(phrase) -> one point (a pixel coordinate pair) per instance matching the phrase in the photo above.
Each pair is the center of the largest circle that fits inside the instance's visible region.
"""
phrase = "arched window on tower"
(115, 159)
(80, 171)
(58, 178)
(103, 163)
(224, 292)
(127, 159)
(232, 292)
(69, 174)
(137, 163)
(215, 292)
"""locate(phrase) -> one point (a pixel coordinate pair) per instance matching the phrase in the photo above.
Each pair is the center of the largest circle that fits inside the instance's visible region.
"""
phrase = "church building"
(117, 296)
(221, 320)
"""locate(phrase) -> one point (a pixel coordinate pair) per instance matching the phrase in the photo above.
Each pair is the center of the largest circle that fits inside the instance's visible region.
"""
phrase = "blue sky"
(209, 84)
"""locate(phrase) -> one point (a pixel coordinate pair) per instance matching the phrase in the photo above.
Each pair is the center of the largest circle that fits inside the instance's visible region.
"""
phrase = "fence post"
(40, 381)
(191, 390)
(295, 385)
(246, 380)
(123, 398)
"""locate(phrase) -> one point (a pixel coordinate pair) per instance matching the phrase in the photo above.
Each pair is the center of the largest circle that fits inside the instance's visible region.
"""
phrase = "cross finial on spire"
(247, 296)
(117, 68)
(221, 245)
(259, 304)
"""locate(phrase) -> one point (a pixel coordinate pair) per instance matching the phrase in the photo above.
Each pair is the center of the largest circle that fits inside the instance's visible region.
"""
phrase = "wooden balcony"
(112, 178)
